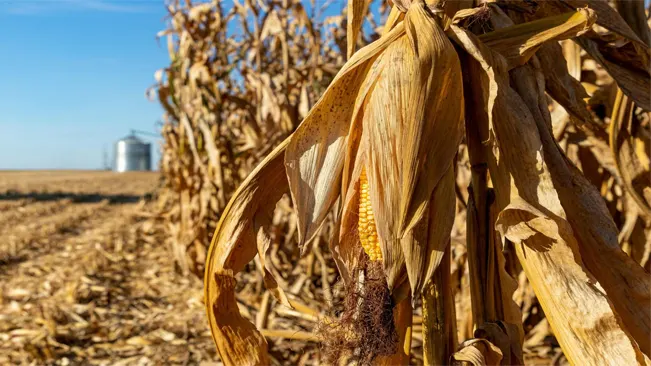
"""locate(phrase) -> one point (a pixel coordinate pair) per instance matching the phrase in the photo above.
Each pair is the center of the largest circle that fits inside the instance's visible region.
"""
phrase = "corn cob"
(366, 225)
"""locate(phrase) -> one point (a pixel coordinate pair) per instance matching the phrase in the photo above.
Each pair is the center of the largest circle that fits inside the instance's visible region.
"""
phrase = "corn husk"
(396, 125)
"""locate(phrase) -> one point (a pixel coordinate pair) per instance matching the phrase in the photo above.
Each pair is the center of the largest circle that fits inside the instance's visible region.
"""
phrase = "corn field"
(412, 182)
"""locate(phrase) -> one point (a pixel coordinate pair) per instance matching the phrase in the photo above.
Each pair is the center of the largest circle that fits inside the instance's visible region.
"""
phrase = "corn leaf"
(607, 17)
(232, 247)
(238, 342)
(356, 11)
(633, 13)
(519, 42)
(535, 220)
(633, 78)
(627, 62)
(561, 86)
(593, 227)
(478, 352)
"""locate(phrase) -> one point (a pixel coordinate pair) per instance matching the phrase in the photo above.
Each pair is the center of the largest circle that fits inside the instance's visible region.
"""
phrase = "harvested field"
(83, 279)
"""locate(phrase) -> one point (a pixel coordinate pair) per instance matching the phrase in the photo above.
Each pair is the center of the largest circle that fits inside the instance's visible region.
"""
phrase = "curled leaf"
(519, 42)
(238, 342)
(478, 352)
(232, 247)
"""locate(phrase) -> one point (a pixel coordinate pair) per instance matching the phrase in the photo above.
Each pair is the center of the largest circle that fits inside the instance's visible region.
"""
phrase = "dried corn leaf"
(561, 86)
(238, 342)
(631, 76)
(607, 17)
(356, 11)
(634, 176)
(633, 13)
(232, 247)
(478, 352)
(519, 42)
(505, 337)
(594, 229)
(590, 219)
(628, 64)
(534, 219)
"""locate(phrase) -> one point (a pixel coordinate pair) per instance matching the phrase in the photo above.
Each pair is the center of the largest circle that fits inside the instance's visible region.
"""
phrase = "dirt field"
(83, 279)
(86, 280)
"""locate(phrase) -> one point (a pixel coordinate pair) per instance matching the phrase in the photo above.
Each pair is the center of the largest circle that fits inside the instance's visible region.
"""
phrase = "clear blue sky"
(73, 76)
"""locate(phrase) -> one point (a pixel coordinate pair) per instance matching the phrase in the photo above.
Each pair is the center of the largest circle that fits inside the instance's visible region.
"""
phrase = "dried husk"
(242, 230)
(315, 154)
(416, 98)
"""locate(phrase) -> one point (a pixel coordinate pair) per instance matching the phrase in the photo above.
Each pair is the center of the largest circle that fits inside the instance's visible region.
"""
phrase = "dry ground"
(84, 281)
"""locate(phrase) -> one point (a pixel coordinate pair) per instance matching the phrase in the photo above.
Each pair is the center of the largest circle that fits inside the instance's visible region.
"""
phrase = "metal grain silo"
(132, 154)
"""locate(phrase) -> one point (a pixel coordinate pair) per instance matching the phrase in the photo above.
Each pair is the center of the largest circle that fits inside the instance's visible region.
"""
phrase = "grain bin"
(132, 154)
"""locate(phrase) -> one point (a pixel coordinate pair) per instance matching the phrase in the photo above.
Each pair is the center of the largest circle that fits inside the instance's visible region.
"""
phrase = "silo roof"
(132, 139)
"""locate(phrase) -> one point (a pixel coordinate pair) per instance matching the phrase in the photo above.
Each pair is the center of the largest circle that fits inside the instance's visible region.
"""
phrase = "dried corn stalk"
(394, 111)
(242, 76)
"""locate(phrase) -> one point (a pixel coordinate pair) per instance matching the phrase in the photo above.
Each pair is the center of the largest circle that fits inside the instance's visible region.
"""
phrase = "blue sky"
(74, 75)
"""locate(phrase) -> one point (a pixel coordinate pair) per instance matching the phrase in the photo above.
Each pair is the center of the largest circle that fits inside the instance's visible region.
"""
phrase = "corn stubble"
(457, 121)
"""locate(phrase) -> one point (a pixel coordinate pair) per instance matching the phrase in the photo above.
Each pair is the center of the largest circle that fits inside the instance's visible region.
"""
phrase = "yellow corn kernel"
(366, 225)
